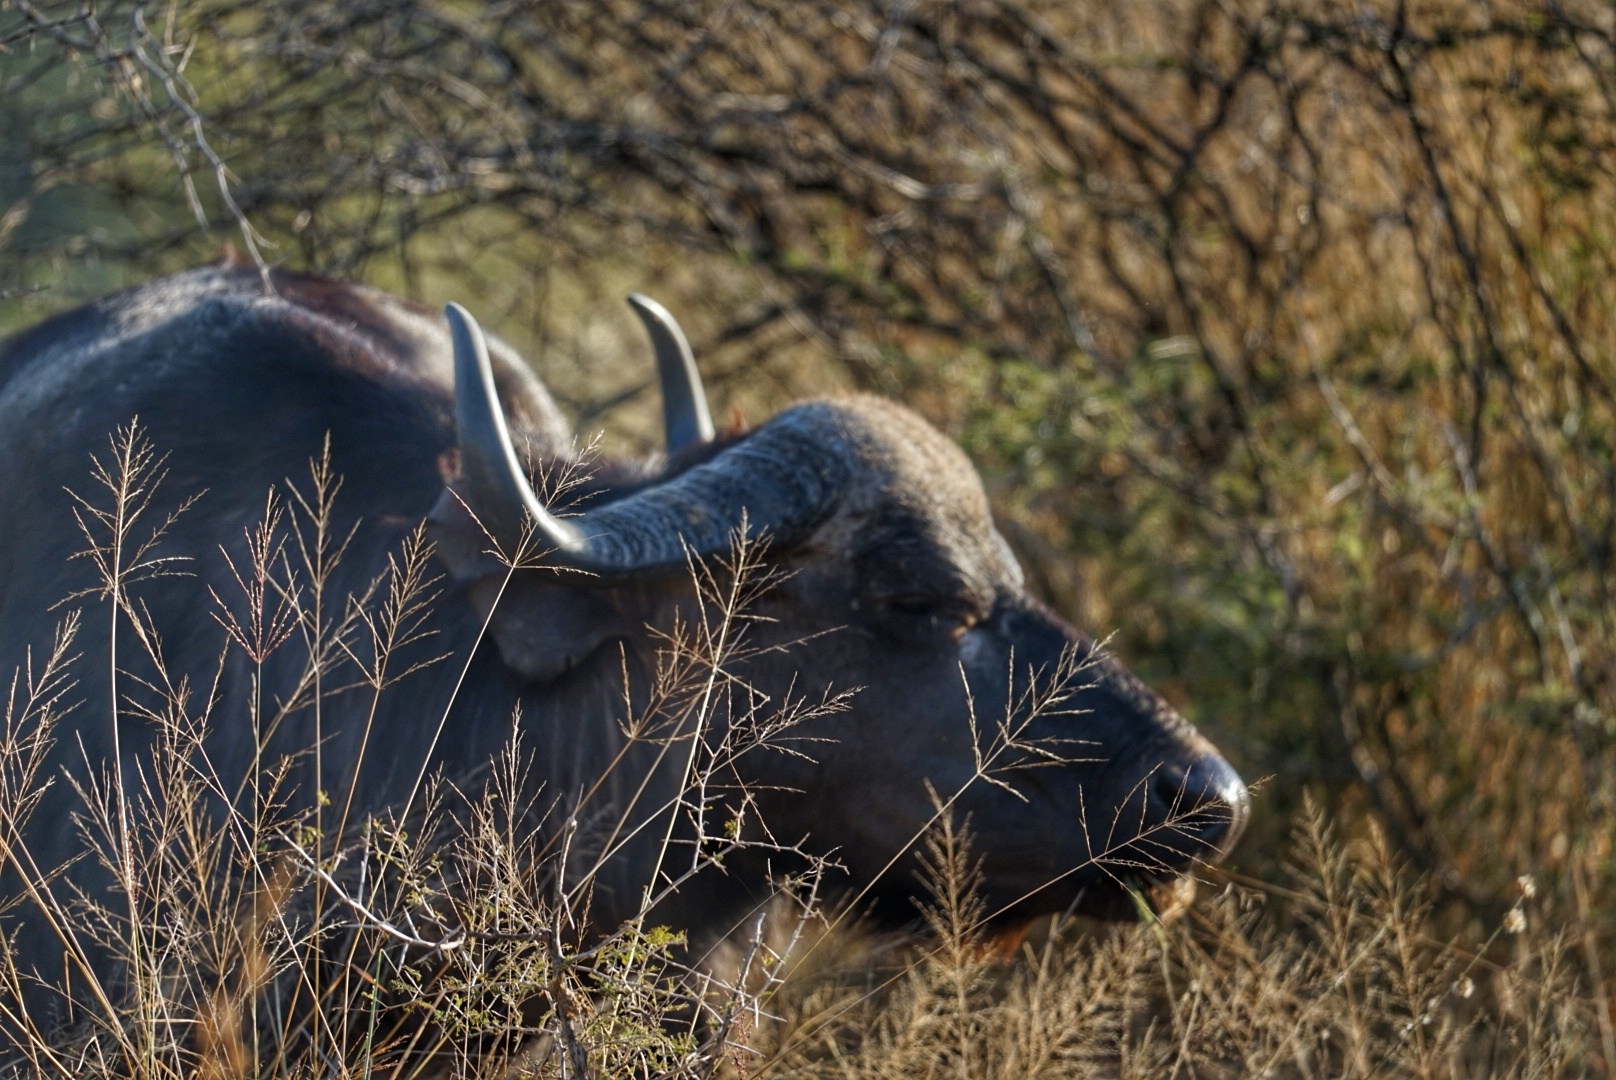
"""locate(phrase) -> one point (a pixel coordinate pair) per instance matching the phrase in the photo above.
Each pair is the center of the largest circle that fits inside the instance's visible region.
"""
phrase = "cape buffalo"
(889, 578)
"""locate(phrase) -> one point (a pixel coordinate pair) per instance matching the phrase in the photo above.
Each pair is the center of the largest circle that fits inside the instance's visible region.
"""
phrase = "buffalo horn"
(780, 480)
(685, 418)
(492, 480)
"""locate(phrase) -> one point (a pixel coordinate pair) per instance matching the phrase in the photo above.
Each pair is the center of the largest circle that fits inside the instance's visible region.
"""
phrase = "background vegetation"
(1282, 332)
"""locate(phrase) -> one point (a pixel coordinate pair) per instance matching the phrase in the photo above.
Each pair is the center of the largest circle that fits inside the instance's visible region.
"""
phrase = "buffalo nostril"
(1203, 801)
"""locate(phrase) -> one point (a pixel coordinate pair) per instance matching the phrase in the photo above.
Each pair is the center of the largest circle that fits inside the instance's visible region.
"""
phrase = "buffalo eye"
(955, 613)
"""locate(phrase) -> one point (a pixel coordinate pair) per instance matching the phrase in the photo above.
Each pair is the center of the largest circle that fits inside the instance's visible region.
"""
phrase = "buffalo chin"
(1168, 901)
(1109, 900)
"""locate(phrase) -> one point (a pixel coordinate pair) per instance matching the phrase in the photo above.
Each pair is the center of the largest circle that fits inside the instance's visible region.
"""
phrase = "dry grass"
(1283, 332)
(1340, 974)
(248, 934)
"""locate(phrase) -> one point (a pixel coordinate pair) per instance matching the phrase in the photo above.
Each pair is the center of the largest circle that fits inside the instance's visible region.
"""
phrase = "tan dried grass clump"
(1282, 330)
(255, 939)
(1340, 974)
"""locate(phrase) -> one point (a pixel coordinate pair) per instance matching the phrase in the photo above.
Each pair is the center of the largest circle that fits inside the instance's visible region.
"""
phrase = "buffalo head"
(973, 698)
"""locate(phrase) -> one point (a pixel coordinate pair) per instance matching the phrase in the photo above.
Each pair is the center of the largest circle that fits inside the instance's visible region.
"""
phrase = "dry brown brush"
(251, 938)
(1339, 974)
(1289, 322)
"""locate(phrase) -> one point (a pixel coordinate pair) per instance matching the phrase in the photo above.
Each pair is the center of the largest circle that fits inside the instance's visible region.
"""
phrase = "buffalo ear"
(544, 625)
(545, 620)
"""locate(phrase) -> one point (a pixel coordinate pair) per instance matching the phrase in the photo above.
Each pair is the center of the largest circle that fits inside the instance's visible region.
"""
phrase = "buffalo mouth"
(1163, 901)
(1150, 872)
(1126, 897)
(1141, 864)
